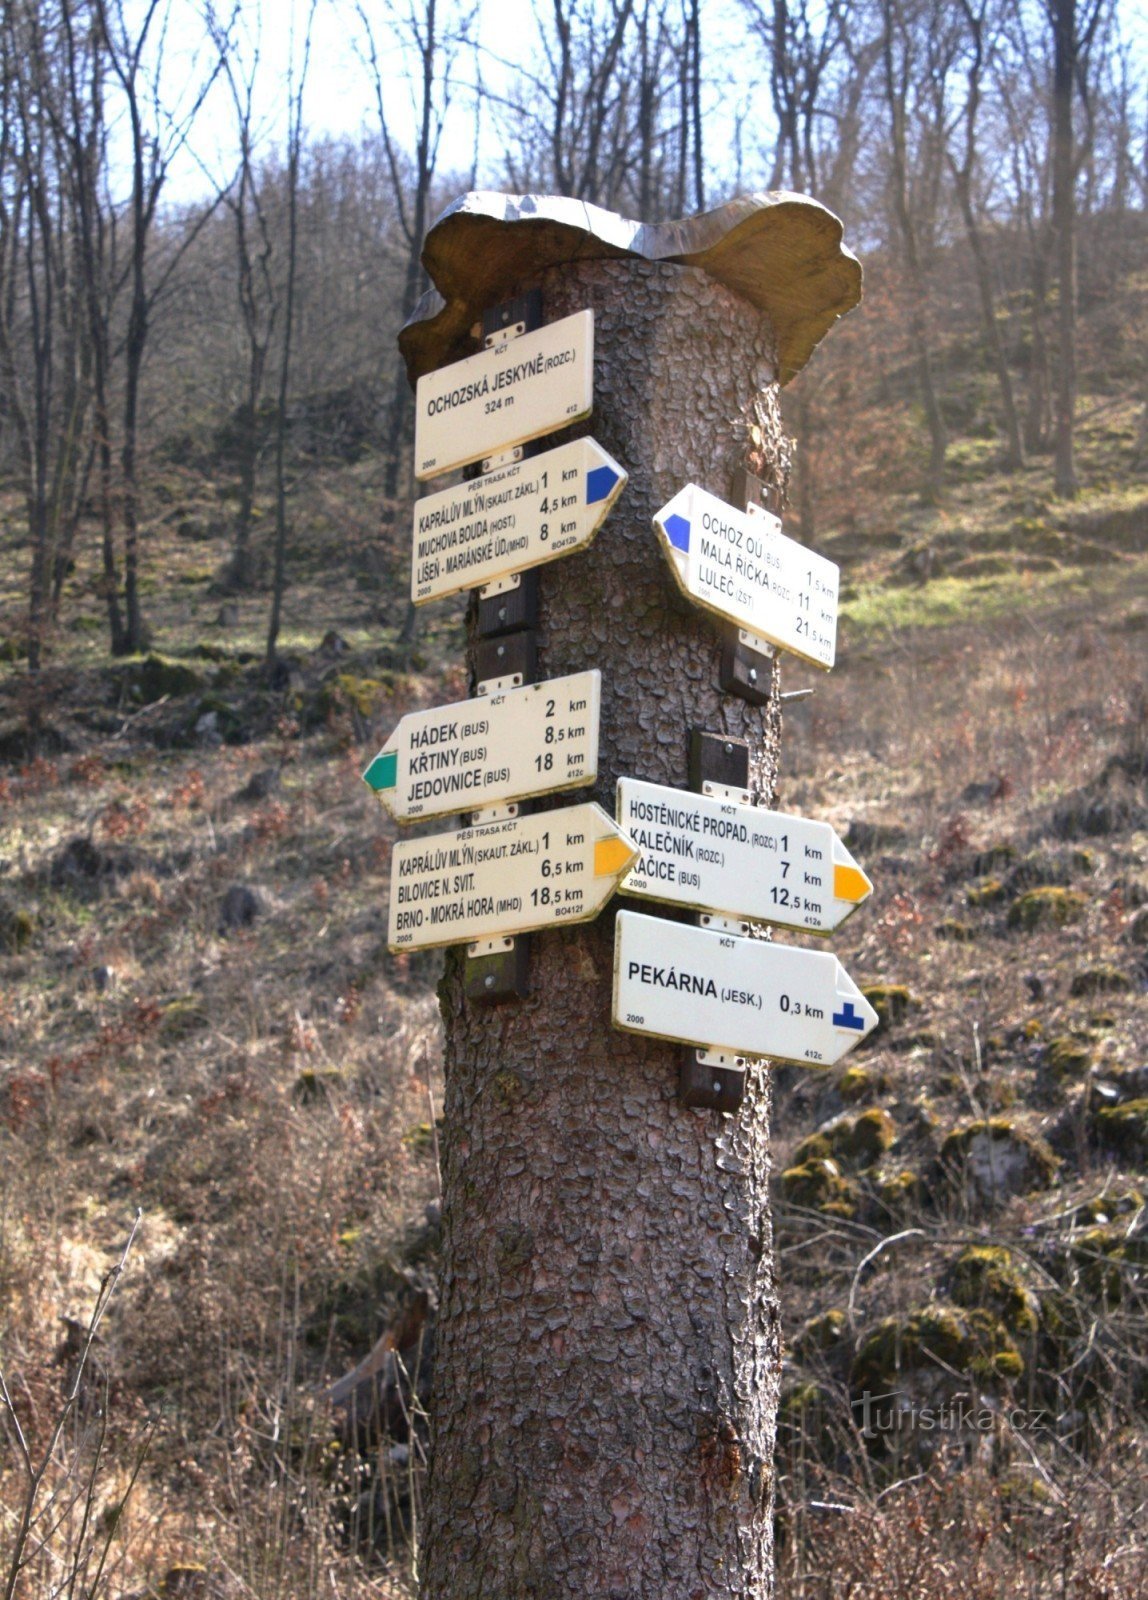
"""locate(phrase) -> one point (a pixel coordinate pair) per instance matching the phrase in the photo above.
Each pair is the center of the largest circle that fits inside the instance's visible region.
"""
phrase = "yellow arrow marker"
(850, 883)
(612, 856)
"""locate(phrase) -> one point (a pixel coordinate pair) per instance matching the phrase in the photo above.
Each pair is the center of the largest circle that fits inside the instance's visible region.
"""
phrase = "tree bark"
(1065, 44)
(608, 1351)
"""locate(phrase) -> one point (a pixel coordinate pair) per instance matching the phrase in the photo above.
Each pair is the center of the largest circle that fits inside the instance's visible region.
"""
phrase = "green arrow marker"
(383, 772)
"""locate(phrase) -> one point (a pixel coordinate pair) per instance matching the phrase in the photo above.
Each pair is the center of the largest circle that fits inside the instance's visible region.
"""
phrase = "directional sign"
(745, 569)
(502, 397)
(506, 521)
(505, 877)
(742, 995)
(496, 748)
(737, 860)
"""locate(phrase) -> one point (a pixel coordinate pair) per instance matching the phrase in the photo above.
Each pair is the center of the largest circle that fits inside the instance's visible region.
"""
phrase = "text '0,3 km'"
(504, 878)
(740, 565)
(501, 397)
(498, 747)
(506, 521)
(719, 992)
(738, 861)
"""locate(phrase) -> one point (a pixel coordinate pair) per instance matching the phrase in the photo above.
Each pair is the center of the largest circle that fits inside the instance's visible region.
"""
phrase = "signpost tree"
(607, 1357)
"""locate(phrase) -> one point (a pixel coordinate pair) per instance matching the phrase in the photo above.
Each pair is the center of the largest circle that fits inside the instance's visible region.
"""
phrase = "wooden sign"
(719, 992)
(503, 396)
(505, 878)
(738, 861)
(490, 750)
(507, 521)
(742, 567)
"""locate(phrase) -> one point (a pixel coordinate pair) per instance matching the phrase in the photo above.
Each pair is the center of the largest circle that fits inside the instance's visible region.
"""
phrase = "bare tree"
(431, 33)
(257, 293)
(976, 44)
(136, 42)
(1074, 25)
(908, 39)
(45, 353)
(296, 88)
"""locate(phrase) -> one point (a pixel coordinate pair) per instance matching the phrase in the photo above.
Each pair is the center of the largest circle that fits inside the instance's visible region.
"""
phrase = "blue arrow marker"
(848, 1018)
(600, 482)
(678, 531)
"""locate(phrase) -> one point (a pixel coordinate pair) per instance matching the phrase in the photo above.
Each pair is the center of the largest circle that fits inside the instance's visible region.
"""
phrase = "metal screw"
(753, 674)
(502, 613)
(501, 651)
(488, 981)
(717, 1086)
(728, 749)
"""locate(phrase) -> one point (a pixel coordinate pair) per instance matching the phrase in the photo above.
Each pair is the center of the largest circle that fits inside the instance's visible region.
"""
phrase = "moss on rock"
(182, 1017)
(158, 677)
(996, 1159)
(1048, 906)
(1124, 1128)
(891, 1001)
(16, 928)
(855, 1083)
(945, 1336)
(1103, 979)
(821, 1334)
(985, 1277)
(820, 1185)
(858, 1141)
(989, 893)
(1068, 1057)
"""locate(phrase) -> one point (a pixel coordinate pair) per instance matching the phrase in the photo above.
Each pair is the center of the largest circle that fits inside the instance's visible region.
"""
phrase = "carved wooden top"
(782, 252)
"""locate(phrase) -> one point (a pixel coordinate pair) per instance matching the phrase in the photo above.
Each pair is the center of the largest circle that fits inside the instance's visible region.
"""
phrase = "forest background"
(205, 492)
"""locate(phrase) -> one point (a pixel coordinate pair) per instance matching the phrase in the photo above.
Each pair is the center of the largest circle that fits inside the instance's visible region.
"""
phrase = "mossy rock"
(989, 893)
(185, 1015)
(1049, 869)
(367, 696)
(1102, 979)
(985, 1277)
(805, 1412)
(900, 1192)
(859, 1141)
(313, 1085)
(891, 1001)
(1107, 1206)
(995, 1159)
(994, 858)
(938, 1336)
(1048, 906)
(16, 928)
(955, 931)
(821, 1334)
(157, 677)
(420, 1139)
(819, 1185)
(1068, 1057)
(1124, 1128)
(855, 1083)
(1108, 1262)
(871, 1135)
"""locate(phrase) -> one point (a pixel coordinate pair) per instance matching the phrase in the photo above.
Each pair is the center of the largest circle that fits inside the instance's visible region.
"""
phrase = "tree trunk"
(1064, 227)
(1036, 411)
(608, 1351)
(1014, 447)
